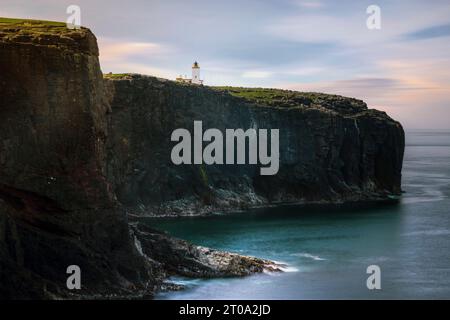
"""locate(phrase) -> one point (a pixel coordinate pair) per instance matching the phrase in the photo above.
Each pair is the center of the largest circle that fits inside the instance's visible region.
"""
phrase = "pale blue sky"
(312, 45)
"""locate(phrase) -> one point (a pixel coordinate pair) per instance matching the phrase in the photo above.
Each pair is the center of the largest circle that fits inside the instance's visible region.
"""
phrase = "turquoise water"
(327, 251)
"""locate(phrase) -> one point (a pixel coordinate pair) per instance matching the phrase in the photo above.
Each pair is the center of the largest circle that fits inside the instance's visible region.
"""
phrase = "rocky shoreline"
(179, 257)
(192, 211)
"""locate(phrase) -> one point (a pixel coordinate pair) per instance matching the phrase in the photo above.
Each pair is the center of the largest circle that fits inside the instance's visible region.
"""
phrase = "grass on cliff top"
(116, 75)
(34, 27)
(294, 99)
(31, 22)
(274, 97)
(41, 32)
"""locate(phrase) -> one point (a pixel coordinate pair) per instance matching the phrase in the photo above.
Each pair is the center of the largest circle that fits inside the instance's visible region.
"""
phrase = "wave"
(283, 266)
(308, 255)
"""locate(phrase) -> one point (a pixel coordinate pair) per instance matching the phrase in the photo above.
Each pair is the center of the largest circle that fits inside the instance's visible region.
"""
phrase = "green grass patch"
(31, 22)
(278, 98)
(115, 75)
(273, 97)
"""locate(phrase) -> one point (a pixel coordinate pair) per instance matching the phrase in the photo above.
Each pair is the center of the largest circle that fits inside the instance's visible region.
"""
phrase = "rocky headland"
(81, 155)
(333, 149)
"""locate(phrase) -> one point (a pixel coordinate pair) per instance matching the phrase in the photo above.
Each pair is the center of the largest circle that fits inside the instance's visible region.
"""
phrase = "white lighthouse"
(196, 74)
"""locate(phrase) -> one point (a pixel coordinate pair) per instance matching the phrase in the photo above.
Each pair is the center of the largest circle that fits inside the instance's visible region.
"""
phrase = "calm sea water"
(327, 251)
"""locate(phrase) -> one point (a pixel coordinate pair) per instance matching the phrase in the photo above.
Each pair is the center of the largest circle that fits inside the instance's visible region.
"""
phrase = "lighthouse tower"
(196, 74)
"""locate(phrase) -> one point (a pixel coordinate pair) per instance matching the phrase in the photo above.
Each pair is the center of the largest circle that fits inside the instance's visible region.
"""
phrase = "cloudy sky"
(309, 45)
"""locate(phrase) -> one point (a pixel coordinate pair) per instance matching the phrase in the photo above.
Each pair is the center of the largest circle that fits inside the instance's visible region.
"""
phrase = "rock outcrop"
(179, 257)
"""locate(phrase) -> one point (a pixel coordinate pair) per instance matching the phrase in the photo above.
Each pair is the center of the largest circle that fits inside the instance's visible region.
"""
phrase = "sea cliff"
(82, 154)
(333, 149)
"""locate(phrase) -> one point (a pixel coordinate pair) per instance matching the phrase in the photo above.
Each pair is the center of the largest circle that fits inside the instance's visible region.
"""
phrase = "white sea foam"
(283, 266)
(187, 282)
(308, 256)
(289, 269)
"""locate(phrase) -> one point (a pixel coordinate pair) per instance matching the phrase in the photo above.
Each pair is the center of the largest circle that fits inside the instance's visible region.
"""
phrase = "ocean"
(327, 251)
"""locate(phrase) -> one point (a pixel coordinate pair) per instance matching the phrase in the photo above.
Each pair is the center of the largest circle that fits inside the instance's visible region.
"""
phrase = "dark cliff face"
(58, 206)
(53, 114)
(332, 149)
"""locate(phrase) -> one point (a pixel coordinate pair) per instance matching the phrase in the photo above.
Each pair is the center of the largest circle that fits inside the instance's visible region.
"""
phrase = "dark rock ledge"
(179, 257)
